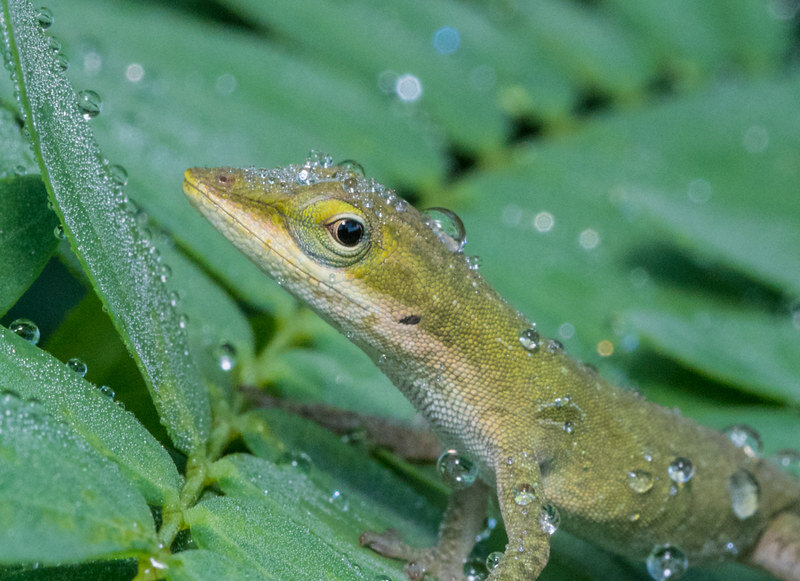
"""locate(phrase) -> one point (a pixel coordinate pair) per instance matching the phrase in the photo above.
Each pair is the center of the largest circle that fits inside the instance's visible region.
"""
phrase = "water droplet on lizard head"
(26, 329)
(45, 17)
(319, 159)
(640, 481)
(106, 391)
(299, 460)
(549, 518)
(530, 339)
(666, 562)
(89, 103)
(456, 471)
(680, 470)
(745, 493)
(118, 174)
(473, 262)
(524, 494)
(350, 185)
(226, 356)
(493, 560)
(351, 166)
(77, 366)
(789, 461)
(448, 227)
(746, 438)
(554, 346)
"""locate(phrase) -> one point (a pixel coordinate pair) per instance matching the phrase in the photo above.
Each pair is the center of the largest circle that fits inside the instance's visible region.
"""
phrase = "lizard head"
(362, 257)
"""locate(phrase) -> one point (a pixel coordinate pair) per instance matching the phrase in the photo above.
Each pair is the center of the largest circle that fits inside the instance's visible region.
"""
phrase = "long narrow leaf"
(117, 255)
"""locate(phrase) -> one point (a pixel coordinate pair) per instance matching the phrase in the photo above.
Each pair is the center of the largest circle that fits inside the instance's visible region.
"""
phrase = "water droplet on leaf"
(789, 460)
(89, 103)
(77, 366)
(106, 391)
(26, 329)
(118, 174)
(45, 17)
(226, 356)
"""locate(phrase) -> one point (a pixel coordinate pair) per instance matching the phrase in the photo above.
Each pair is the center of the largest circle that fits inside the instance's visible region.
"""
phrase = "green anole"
(548, 434)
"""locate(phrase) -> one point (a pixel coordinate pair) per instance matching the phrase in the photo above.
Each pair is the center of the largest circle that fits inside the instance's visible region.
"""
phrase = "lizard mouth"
(257, 229)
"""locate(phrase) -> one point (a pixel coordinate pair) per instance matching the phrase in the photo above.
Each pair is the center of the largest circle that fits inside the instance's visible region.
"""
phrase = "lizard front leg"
(519, 494)
(462, 521)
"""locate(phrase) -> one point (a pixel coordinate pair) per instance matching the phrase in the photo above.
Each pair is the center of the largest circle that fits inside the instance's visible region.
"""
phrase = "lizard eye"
(347, 231)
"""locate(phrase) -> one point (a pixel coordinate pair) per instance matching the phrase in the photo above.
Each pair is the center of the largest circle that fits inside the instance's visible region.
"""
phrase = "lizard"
(548, 434)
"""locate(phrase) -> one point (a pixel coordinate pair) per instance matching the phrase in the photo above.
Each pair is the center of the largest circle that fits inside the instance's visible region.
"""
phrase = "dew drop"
(549, 518)
(448, 227)
(89, 103)
(226, 356)
(680, 470)
(554, 346)
(524, 494)
(20, 170)
(118, 174)
(26, 329)
(351, 166)
(174, 298)
(666, 562)
(789, 460)
(299, 460)
(569, 427)
(746, 438)
(61, 62)
(77, 366)
(54, 44)
(456, 471)
(183, 321)
(493, 560)
(45, 17)
(473, 262)
(640, 481)
(530, 339)
(745, 493)
(319, 159)
(58, 232)
(106, 391)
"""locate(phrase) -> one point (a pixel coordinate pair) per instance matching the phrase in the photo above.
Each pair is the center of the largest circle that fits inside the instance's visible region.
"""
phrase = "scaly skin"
(543, 428)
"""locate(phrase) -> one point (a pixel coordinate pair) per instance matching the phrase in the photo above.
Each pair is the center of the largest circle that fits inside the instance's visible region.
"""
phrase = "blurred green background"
(627, 170)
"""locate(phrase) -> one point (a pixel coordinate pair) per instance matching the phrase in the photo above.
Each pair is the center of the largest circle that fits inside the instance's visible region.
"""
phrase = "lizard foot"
(420, 563)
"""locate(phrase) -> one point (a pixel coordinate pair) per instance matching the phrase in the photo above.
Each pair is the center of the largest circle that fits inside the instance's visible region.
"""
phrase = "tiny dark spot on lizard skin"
(410, 320)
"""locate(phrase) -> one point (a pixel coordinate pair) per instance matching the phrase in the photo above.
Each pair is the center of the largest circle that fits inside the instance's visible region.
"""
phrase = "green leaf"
(740, 231)
(26, 236)
(16, 157)
(754, 351)
(258, 535)
(270, 433)
(95, 571)
(112, 432)
(201, 565)
(60, 501)
(115, 253)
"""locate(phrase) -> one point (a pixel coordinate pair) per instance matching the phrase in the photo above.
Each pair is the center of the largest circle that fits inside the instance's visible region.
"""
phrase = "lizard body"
(546, 431)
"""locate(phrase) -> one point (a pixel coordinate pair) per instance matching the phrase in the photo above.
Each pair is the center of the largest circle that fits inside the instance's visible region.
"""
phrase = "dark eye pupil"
(349, 232)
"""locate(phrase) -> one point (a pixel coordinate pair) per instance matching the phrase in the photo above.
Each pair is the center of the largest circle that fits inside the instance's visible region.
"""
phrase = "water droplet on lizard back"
(746, 438)
(745, 494)
(666, 562)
